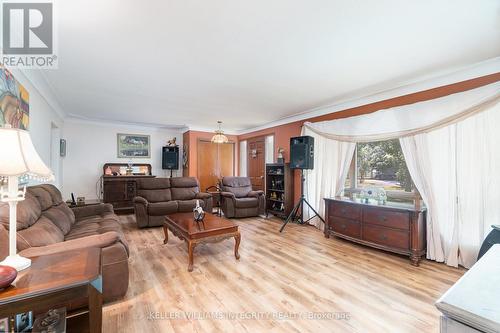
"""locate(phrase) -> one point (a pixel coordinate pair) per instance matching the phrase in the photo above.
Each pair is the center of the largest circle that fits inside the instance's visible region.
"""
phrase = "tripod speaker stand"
(297, 213)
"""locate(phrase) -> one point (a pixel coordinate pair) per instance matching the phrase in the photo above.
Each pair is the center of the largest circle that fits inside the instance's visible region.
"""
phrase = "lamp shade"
(219, 136)
(18, 156)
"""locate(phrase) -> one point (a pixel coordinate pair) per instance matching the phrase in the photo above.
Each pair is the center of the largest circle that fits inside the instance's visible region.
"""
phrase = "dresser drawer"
(385, 236)
(387, 218)
(344, 210)
(345, 226)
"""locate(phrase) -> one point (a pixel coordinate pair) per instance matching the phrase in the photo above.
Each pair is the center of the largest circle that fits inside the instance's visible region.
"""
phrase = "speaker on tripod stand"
(302, 158)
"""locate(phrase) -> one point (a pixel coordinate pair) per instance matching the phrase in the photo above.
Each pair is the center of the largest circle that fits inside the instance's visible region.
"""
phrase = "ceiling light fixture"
(219, 136)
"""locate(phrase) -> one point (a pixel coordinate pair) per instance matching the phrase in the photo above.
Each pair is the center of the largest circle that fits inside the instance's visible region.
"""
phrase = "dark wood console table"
(394, 228)
(57, 280)
(120, 189)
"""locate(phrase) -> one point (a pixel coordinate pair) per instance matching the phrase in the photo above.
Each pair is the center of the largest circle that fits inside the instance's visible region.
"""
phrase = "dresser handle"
(383, 237)
(343, 226)
(384, 219)
(343, 211)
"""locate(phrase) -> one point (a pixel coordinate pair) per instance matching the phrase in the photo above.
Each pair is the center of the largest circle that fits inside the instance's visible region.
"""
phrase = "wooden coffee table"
(212, 229)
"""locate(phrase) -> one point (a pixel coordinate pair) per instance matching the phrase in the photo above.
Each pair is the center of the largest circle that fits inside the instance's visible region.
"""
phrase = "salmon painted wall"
(190, 140)
(283, 133)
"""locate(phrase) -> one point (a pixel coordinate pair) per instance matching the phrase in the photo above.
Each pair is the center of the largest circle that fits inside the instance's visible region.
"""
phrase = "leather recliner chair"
(239, 200)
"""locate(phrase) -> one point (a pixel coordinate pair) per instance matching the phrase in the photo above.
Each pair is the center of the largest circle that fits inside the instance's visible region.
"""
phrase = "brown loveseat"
(157, 197)
(238, 199)
(47, 225)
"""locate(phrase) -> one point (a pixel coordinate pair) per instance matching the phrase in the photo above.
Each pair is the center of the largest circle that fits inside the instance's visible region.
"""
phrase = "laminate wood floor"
(297, 281)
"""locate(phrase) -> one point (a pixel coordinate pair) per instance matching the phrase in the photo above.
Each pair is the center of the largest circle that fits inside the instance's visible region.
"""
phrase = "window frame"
(413, 196)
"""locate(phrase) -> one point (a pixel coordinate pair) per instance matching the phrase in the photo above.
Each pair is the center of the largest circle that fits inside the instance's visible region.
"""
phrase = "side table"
(56, 280)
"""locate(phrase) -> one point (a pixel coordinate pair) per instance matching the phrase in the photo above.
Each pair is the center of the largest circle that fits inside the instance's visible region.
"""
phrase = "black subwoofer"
(302, 152)
(170, 158)
(492, 238)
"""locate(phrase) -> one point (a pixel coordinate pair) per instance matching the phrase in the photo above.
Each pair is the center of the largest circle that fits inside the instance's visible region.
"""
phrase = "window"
(381, 164)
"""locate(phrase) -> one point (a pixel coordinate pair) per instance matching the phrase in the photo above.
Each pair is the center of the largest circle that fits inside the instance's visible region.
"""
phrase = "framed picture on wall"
(133, 145)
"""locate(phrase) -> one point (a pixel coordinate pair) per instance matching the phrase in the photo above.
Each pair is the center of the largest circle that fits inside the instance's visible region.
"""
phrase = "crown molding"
(490, 66)
(77, 119)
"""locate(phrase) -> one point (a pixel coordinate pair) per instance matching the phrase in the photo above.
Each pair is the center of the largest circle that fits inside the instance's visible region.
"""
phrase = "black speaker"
(170, 158)
(302, 152)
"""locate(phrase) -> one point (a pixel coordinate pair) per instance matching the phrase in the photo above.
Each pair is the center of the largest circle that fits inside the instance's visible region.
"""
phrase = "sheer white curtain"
(456, 169)
(332, 159)
(452, 148)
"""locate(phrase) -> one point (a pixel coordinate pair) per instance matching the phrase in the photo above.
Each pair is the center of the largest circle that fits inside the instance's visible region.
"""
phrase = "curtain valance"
(407, 120)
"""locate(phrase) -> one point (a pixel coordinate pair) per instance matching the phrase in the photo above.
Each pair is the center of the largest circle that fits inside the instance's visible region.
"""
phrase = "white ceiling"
(192, 62)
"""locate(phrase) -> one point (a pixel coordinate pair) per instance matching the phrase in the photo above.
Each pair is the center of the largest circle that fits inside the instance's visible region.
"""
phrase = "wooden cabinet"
(279, 189)
(119, 190)
(395, 229)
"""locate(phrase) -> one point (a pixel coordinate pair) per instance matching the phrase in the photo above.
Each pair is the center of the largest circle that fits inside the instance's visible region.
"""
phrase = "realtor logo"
(28, 34)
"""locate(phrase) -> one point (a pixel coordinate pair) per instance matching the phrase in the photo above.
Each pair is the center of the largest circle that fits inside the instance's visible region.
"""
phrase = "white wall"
(90, 145)
(44, 114)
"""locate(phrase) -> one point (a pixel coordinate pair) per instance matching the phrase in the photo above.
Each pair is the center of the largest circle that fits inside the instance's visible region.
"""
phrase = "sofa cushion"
(28, 212)
(236, 181)
(42, 233)
(184, 182)
(188, 205)
(62, 216)
(54, 193)
(246, 202)
(239, 192)
(93, 226)
(155, 195)
(162, 208)
(44, 197)
(153, 183)
(184, 188)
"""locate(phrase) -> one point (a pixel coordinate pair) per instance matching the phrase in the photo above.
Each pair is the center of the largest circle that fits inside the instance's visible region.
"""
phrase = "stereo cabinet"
(390, 228)
(119, 189)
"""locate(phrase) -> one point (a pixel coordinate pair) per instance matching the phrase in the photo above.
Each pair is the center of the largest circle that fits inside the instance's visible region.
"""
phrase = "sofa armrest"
(99, 241)
(90, 210)
(202, 195)
(227, 195)
(255, 193)
(140, 200)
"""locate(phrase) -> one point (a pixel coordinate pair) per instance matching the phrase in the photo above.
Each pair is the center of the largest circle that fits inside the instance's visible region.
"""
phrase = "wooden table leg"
(191, 246)
(95, 310)
(165, 230)
(237, 240)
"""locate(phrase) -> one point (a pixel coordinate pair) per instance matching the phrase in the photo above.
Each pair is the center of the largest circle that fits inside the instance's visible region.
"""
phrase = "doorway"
(215, 160)
(256, 161)
(55, 156)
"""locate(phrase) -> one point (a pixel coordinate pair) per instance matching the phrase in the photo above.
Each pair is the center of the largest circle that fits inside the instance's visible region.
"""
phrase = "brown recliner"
(238, 199)
(157, 197)
(46, 225)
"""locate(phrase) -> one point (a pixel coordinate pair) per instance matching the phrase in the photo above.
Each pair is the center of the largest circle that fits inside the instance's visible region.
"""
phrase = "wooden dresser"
(397, 229)
(120, 190)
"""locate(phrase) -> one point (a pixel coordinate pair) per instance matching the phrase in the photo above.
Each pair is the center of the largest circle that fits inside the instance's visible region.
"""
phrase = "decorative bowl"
(7, 276)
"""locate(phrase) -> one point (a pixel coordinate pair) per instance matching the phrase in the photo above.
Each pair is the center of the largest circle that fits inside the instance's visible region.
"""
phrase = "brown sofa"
(47, 225)
(157, 197)
(238, 199)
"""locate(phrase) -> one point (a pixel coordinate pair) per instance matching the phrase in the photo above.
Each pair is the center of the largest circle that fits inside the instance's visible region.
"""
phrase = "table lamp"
(18, 158)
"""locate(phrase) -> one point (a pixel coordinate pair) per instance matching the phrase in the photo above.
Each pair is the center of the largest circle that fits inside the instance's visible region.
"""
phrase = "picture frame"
(133, 145)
